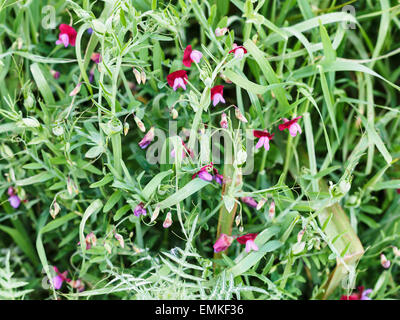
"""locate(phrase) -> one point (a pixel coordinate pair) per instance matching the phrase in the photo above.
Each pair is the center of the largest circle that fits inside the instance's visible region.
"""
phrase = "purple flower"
(15, 201)
(147, 139)
(140, 210)
(90, 30)
(219, 178)
(249, 201)
(223, 243)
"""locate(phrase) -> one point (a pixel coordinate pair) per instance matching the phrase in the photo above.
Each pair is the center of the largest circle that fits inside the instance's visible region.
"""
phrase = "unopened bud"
(54, 209)
(385, 262)
(241, 229)
(300, 235)
(140, 124)
(120, 239)
(168, 220)
(107, 247)
(219, 32)
(174, 113)
(237, 220)
(396, 251)
(76, 90)
(137, 75)
(239, 115)
(224, 121)
(126, 128)
(143, 77)
(261, 204)
(271, 213)
(155, 214)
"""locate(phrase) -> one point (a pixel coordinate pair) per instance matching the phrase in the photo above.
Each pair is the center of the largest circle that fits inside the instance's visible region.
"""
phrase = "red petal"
(243, 239)
(187, 61)
(239, 47)
(217, 89)
(177, 74)
(265, 133)
(287, 124)
(70, 31)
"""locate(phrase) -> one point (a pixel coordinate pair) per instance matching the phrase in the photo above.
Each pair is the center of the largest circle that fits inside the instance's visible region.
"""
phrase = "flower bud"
(219, 32)
(137, 75)
(396, 251)
(126, 128)
(168, 220)
(261, 204)
(237, 220)
(300, 235)
(385, 262)
(271, 213)
(54, 209)
(174, 113)
(140, 124)
(107, 247)
(155, 214)
(224, 121)
(120, 240)
(76, 90)
(143, 77)
(239, 115)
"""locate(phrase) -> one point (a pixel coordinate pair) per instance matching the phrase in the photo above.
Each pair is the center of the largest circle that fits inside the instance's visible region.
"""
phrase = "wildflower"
(216, 95)
(396, 251)
(96, 57)
(239, 115)
(137, 75)
(248, 240)
(237, 220)
(59, 279)
(190, 56)
(249, 201)
(300, 235)
(205, 174)
(90, 240)
(140, 210)
(265, 137)
(292, 125)
(120, 240)
(90, 31)
(77, 284)
(168, 220)
(147, 139)
(67, 35)
(91, 75)
(174, 113)
(224, 121)
(14, 200)
(177, 79)
(155, 214)
(385, 262)
(139, 123)
(55, 74)
(223, 243)
(261, 204)
(54, 209)
(271, 213)
(219, 178)
(360, 295)
(219, 32)
(76, 90)
(190, 152)
(238, 51)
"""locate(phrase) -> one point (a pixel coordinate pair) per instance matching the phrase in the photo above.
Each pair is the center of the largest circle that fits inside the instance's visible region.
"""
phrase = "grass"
(334, 185)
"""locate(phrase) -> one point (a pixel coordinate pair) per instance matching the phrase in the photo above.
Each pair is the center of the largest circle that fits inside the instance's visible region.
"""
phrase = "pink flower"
(147, 139)
(216, 94)
(265, 137)
(238, 51)
(190, 56)
(96, 57)
(223, 243)
(55, 74)
(219, 32)
(224, 121)
(67, 35)
(190, 152)
(76, 90)
(360, 295)
(90, 240)
(168, 220)
(205, 174)
(248, 240)
(140, 210)
(177, 79)
(59, 279)
(292, 125)
(249, 201)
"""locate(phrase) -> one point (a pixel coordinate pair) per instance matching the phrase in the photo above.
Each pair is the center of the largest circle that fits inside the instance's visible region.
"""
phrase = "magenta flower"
(223, 243)
(209, 173)
(59, 279)
(190, 56)
(190, 152)
(67, 35)
(249, 201)
(238, 51)
(177, 79)
(147, 139)
(219, 32)
(248, 240)
(360, 295)
(265, 137)
(55, 74)
(96, 57)
(292, 125)
(140, 210)
(216, 95)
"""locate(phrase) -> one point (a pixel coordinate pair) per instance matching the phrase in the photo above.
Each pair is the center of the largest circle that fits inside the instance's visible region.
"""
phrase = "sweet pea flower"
(140, 210)
(238, 51)
(219, 32)
(76, 90)
(223, 243)
(96, 57)
(67, 35)
(59, 279)
(205, 174)
(90, 240)
(224, 121)
(90, 31)
(14, 200)
(147, 139)
(55, 74)
(249, 201)
(216, 95)
(168, 220)
(177, 79)
(292, 125)
(265, 137)
(360, 295)
(190, 152)
(248, 240)
(384, 261)
(271, 211)
(190, 56)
